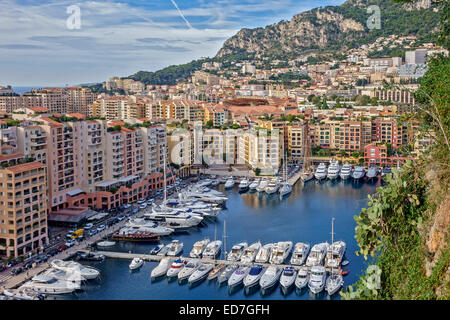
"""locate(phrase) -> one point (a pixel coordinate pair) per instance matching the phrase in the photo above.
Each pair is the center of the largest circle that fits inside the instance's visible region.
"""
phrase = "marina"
(250, 217)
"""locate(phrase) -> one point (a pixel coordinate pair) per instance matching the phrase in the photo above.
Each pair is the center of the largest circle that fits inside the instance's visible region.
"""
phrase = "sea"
(304, 216)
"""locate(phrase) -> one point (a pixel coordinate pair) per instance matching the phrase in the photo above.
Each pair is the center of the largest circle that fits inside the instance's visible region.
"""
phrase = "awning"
(74, 192)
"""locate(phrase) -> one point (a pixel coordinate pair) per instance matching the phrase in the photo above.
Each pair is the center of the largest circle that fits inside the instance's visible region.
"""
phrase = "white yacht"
(175, 218)
(272, 187)
(287, 278)
(106, 243)
(226, 274)
(334, 283)
(300, 253)
(238, 276)
(335, 253)
(346, 171)
(75, 267)
(236, 251)
(201, 273)
(50, 285)
(136, 263)
(285, 189)
(263, 254)
(254, 185)
(188, 269)
(141, 224)
(254, 275)
(161, 268)
(321, 172)
(212, 250)
(229, 184)
(358, 173)
(250, 252)
(262, 185)
(244, 185)
(175, 268)
(280, 252)
(372, 172)
(302, 278)
(270, 277)
(198, 248)
(317, 254)
(317, 279)
(175, 248)
(64, 275)
(333, 170)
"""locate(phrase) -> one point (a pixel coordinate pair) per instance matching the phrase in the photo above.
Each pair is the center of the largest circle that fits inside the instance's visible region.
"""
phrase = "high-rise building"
(23, 206)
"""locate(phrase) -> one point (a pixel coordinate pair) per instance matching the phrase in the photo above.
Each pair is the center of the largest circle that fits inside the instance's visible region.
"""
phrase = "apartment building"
(296, 135)
(11, 103)
(111, 108)
(349, 139)
(32, 142)
(63, 160)
(79, 99)
(23, 206)
(260, 150)
(390, 131)
(216, 113)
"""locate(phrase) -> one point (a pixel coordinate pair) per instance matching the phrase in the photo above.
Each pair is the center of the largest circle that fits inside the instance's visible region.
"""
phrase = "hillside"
(331, 29)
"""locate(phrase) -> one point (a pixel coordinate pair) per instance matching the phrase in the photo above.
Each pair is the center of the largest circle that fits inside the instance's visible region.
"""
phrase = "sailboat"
(335, 281)
(217, 270)
(307, 172)
(286, 186)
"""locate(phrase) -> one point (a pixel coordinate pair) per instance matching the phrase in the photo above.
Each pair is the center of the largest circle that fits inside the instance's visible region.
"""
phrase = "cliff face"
(308, 30)
(329, 28)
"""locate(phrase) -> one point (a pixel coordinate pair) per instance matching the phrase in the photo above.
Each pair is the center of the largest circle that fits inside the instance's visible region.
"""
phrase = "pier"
(293, 180)
(156, 258)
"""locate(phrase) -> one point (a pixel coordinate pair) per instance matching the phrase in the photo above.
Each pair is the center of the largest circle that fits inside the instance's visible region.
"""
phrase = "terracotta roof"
(38, 109)
(25, 167)
(77, 115)
(11, 156)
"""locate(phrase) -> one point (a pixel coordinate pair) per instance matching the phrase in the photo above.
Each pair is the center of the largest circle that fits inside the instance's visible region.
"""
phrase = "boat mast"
(215, 233)
(224, 240)
(332, 230)
(165, 180)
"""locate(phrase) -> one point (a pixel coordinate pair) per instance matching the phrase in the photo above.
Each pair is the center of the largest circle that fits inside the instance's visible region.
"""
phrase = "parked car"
(42, 258)
(52, 252)
(120, 218)
(92, 232)
(28, 265)
(17, 270)
(62, 247)
(70, 243)
(88, 226)
(100, 228)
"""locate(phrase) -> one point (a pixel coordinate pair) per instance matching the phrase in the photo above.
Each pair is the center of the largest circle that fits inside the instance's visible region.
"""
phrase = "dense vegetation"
(170, 75)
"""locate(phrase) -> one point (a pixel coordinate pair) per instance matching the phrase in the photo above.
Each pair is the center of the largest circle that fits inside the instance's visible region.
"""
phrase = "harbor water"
(304, 216)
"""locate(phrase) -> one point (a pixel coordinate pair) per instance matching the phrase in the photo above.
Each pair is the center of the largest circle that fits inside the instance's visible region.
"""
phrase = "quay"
(156, 258)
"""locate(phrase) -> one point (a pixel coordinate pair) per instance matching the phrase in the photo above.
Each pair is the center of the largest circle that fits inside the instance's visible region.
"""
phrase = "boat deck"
(156, 258)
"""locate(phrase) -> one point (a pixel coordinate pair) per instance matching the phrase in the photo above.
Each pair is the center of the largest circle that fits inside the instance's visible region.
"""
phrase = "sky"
(39, 47)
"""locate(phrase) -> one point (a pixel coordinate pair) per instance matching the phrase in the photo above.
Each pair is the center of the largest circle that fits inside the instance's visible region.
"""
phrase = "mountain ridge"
(331, 29)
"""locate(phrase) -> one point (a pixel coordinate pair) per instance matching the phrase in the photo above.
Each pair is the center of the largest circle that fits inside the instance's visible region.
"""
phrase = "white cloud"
(36, 48)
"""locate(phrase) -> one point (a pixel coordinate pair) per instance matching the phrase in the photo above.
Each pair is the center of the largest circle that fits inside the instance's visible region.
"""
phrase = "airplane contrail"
(181, 14)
